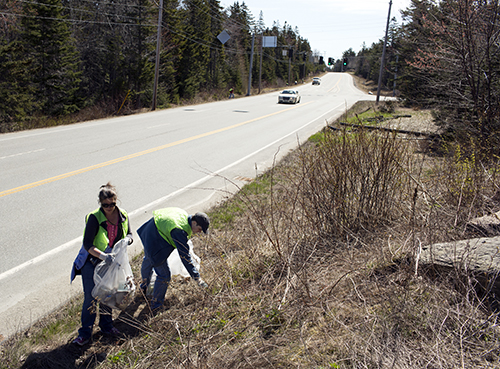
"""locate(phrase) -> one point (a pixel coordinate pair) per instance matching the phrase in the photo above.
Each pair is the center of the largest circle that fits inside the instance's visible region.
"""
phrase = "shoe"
(158, 310)
(112, 332)
(80, 341)
(145, 289)
(144, 285)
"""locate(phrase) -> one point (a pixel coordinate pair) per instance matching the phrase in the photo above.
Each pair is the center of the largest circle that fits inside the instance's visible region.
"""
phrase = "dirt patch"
(413, 120)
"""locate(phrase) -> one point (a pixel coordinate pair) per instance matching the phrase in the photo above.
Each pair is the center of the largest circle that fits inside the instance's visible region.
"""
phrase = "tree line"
(61, 57)
(446, 57)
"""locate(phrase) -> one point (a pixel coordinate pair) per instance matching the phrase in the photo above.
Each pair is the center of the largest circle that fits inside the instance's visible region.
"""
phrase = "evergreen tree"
(268, 63)
(55, 61)
(414, 36)
(115, 41)
(194, 64)
(217, 73)
(238, 24)
(138, 68)
(16, 100)
(172, 43)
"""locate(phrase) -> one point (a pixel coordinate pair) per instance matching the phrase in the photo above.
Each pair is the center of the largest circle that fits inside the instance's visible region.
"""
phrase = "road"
(190, 156)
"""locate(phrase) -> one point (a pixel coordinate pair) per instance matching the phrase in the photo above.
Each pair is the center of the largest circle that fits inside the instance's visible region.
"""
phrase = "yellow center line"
(137, 154)
(336, 83)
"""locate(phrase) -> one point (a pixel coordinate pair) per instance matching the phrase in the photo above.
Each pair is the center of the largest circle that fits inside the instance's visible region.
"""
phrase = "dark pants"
(90, 305)
(152, 242)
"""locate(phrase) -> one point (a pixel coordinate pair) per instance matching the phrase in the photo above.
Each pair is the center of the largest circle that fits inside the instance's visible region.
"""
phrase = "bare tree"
(460, 57)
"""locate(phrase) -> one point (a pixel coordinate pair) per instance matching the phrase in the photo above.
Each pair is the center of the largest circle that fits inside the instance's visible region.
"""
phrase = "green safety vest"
(168, 219)
(101, 240)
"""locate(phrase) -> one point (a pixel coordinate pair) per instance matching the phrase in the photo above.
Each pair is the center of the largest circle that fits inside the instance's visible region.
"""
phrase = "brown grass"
(370, 86)
(312, 266)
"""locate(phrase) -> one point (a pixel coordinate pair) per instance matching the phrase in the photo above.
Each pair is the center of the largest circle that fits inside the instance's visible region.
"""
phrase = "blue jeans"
(146, 271)
(90, 305)
(161, 283)
(152, 242)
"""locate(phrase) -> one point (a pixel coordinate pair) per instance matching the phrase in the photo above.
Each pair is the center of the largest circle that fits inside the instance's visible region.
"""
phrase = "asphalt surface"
(192, 157)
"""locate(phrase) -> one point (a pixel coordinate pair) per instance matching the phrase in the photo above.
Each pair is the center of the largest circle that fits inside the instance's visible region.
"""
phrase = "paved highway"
(187, 156)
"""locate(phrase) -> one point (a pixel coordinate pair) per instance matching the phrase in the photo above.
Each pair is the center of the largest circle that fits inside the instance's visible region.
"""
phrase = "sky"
(330, 26)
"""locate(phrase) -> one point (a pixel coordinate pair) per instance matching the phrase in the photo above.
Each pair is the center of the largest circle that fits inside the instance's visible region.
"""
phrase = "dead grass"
(312, 266)
(370, 86)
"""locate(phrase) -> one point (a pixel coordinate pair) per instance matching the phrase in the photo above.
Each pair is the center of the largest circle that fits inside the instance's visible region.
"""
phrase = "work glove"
(202, 283)
(107, 258)
(129, 240)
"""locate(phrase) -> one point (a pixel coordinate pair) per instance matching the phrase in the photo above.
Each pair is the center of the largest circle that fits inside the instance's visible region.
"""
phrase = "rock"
(476, 254)
(486, 226)
(478, 258)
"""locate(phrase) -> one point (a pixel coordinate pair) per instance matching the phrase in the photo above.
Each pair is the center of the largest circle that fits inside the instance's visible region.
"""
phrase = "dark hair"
(107, 191)
(202, 220)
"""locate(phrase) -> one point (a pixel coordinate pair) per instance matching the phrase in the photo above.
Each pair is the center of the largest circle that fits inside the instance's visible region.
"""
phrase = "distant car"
(316, 81)
(289, 97)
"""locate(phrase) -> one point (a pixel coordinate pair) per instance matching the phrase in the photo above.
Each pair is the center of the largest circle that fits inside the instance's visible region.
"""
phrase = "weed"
(311, 266)
(117, 358)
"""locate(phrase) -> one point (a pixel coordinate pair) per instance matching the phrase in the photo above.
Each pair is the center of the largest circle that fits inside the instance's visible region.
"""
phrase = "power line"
(135, 21)
(78, 20)
(218, 16)
(71, 10)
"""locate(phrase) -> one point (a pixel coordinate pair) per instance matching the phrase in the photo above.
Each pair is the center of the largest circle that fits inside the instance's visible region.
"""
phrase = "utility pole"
(260, 67)
(305, 61)
(157, 63)
(289, 66)
(383, 54)
(251, 64)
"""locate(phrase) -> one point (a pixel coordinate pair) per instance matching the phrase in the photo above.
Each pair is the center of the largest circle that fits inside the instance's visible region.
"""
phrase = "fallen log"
(385, 129)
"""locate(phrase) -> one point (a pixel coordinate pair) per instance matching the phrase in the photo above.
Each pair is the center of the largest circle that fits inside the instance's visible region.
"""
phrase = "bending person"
(168, 229)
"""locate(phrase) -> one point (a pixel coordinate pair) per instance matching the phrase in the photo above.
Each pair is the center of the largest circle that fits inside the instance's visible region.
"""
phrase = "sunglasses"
(112, 205)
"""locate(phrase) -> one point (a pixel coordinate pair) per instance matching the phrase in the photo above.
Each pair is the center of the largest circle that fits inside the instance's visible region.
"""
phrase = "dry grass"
(125, 106)
(370, 86)
(311, 266)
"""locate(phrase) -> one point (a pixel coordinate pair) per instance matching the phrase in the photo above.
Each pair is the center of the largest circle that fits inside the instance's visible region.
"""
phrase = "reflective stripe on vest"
(168, 219)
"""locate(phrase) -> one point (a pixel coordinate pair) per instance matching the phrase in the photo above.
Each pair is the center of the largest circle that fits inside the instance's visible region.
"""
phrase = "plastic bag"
(176, 266)
(114, 283)
(175, 263)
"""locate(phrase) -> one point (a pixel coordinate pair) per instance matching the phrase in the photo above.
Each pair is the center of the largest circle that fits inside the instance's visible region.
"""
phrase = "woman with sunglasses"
(104, 227)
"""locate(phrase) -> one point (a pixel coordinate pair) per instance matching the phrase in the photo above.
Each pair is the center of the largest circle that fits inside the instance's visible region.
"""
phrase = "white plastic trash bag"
(177, 267)
(114, 283)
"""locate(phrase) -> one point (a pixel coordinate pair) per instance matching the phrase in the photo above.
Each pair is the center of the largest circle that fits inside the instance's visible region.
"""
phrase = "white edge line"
(77, 240)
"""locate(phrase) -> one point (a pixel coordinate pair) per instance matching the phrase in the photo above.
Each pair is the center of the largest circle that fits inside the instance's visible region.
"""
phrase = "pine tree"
(55, 61)
(170, 55)
(216, 73)
(193, 68)
(16, 100)
(138, 68)
(239, 24)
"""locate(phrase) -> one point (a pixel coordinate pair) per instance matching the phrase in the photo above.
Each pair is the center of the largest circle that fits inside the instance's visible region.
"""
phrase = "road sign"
(269, 41)
(223, 37)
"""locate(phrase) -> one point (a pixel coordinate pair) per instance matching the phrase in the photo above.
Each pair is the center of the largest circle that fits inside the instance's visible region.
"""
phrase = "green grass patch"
(225, 215)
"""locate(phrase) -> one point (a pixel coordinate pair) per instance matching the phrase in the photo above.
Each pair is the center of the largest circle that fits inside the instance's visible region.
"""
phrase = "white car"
(316, 81)
(289, 97)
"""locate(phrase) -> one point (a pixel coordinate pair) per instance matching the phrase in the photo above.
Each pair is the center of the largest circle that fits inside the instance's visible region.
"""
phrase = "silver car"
(289, 97)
